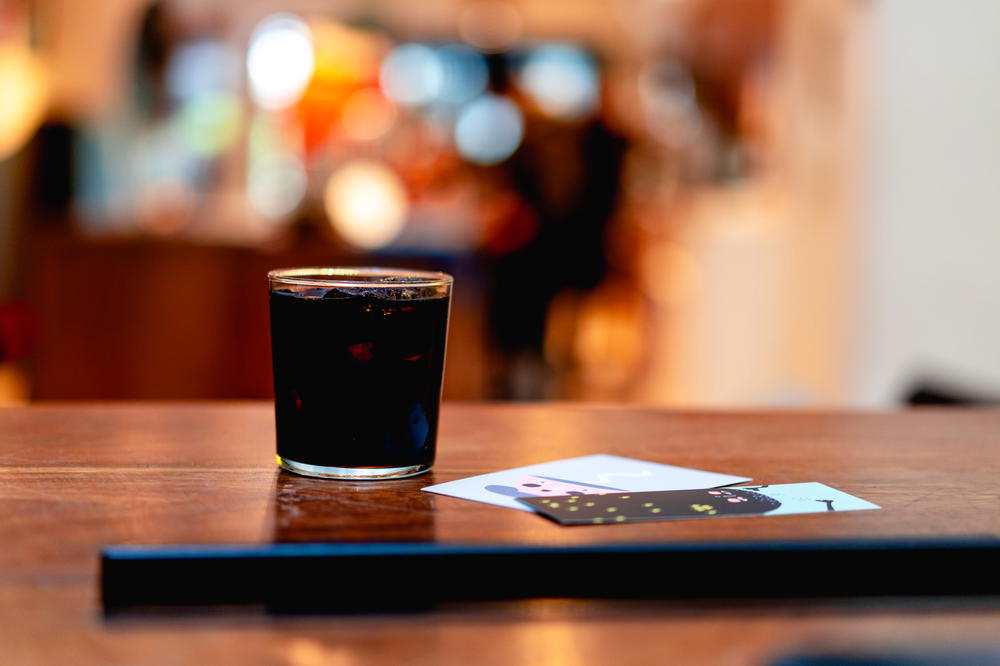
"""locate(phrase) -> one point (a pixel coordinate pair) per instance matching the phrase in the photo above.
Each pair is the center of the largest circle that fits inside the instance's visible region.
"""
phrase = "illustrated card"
(586, 475)
(629, 507)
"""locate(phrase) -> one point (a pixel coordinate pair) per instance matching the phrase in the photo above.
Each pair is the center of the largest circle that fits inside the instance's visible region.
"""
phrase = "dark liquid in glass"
(357, 378)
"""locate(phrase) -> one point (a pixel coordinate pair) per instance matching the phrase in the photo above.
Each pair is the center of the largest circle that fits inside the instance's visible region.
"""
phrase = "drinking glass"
(358, 357)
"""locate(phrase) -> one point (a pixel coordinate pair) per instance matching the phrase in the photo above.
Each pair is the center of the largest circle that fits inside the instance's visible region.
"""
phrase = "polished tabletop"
(76, 477)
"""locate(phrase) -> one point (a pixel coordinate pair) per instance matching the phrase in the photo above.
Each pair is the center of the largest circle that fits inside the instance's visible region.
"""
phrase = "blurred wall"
(930, 298)
(862, 257)
(90, 71)
(765, 267)
(864, 261)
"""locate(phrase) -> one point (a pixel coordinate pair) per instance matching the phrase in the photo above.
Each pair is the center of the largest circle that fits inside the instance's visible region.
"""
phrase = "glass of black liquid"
(358, 360)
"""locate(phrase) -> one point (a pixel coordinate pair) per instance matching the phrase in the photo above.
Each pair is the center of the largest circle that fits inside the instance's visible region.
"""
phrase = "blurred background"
(676, 202)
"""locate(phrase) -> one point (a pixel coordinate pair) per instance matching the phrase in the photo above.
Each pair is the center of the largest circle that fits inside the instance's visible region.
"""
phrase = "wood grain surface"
(76, 477)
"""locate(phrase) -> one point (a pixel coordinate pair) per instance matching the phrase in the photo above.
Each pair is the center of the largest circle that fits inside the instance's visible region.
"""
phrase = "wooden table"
(75, 477)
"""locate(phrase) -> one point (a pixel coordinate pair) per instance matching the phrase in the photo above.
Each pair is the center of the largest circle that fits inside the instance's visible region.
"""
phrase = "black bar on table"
(389, 576)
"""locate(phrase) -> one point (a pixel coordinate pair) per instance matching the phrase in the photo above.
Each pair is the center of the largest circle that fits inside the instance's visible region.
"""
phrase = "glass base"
(352, 473)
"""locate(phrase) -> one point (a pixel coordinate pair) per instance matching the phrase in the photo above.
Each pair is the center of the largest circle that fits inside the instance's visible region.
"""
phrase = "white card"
(577, 476)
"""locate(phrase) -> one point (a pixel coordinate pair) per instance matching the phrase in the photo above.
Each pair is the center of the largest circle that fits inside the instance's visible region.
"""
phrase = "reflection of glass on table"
(311, 510)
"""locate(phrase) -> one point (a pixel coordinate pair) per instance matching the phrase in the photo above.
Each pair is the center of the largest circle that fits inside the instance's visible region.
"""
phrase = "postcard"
(586, 475)
(630, 507)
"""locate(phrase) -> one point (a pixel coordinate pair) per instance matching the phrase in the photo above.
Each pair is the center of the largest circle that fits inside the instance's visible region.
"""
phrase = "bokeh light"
(562, 80)
(276, 185)
(347, 59)
(366, 203)
(209, 123)
(343, 53)
(276, 176)
(279, 61)
(367, 115)
(25, 85)
(412, 75)
(201, 67)
(465, 73)
(489, 129)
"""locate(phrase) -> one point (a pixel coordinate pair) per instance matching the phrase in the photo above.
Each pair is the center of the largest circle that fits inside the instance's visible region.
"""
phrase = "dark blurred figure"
(565, 179)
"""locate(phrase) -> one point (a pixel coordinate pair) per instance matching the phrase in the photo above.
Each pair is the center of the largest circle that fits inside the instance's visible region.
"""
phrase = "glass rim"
(351, 276)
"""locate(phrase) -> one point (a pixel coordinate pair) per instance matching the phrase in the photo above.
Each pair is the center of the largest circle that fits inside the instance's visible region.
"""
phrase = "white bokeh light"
(489, 129)
(412, 74)
(562, 80)
(280, 61)
(366, 203)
